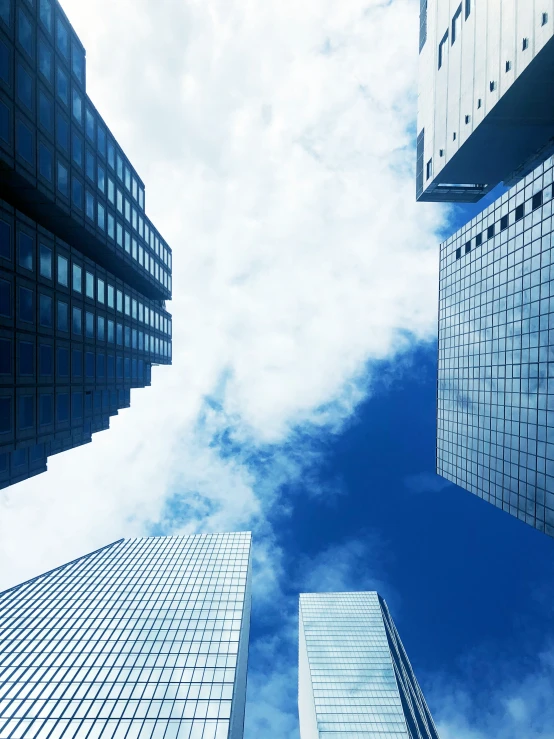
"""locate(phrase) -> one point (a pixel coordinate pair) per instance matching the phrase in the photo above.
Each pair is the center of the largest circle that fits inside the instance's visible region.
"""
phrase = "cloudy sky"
(276, 142)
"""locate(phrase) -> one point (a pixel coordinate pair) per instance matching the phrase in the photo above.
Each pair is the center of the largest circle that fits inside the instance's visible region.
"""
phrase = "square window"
(45, 14)
(45, 255)
(537, 200)
(26, 248)
(77, 193)
(519, 212)
(62, 38)
(89, 285)
(25, 32)
(46, 310)
(25, 143)
(45, 162)
(62, 86)
(46, 112)
(26, 307)
(504, 223)
(78, 61)
(90, 126)
(62, 316)
(479, 239)
(63, 180)
(490, 232)
(24, 87)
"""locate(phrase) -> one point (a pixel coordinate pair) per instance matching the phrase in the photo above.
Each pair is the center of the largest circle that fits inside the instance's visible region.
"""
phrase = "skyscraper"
(84, 274)
(495, 427)
(144, 639)
(486, 109)
(354, 676)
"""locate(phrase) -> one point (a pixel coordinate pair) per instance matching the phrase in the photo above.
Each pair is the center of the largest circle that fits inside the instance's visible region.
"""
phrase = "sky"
(277, 145)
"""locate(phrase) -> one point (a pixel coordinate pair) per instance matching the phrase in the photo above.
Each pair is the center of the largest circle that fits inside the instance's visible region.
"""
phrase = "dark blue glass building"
(84, 274)
(144, 639)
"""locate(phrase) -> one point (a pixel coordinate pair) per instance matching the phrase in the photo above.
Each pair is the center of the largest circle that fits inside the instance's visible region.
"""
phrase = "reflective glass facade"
(144, 639)
(495, 429)
(355, 679)
(84, 274)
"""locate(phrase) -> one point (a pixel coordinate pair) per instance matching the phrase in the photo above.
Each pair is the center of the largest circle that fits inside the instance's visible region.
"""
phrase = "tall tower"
(485, 108)
(354, 676)
(84, 274)
(144, 639)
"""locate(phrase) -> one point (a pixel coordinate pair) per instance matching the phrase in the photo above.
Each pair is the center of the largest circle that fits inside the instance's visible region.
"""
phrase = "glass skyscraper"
(354, 676)
(84, 274)
(146, 638)
(495, 430)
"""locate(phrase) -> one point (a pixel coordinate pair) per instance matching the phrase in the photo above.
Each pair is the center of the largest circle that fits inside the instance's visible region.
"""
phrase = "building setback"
(486, 109)
(144, 639)
(354, 676)
(495, 428)
(84, 274)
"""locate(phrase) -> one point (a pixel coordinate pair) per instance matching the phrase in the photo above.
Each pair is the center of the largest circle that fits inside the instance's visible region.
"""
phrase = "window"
(525, 44)
(519, 212)
(467, 119)
(468, 247)
(76, 321)
(454, 136)
(89, 325)
(45, 256)
(89, 156)
(25, 32)
(90, 125)
(77, 106)
(479, 102)
(111, 154)
(26, 308)
(127, 178)
(45, 13)
(508, 66)
(504, 223)
(101, 178)
(77, 193)
(110, 332)
(544, 20)
(89, 285)
(63, 362)
(77, 278)
(468, 8)
(89, 205)
(141, 198)
(62, 270)
(26, 251)
(127, 241)
(62, 316)
(479, 239)
(89, 365)
(110, 296)
(119, 201)
(490, 232)
(62, 86)
(120, 301)
(62, 132)
(62, 402)
(127, 305)
(26, 358)
(45, 360)
(77, 149)
(24, 87)
(119, 234)
(45, 409)
(46, 310)
(26, 412)
(101, 141)
(5, 299)
(492, 86)
(5, 57)
(127, 210)
(62, 38)
(24, 142)
(119, 167)
(100, 365)
(442, 45)
(119, 334)
(537, 200)
(5, 357)
(111, 191)
(45, 60)
(46, 112)
(429, 171)
(77, 61)
(101, 217)
(456, 23)
(5, 412)
(100, 326)
(63, 180)
(100, 290)
(45, 162)
(127, 337)
(111, 226)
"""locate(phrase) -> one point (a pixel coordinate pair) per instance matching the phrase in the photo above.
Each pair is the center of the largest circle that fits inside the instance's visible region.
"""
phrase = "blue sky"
(277, 146)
